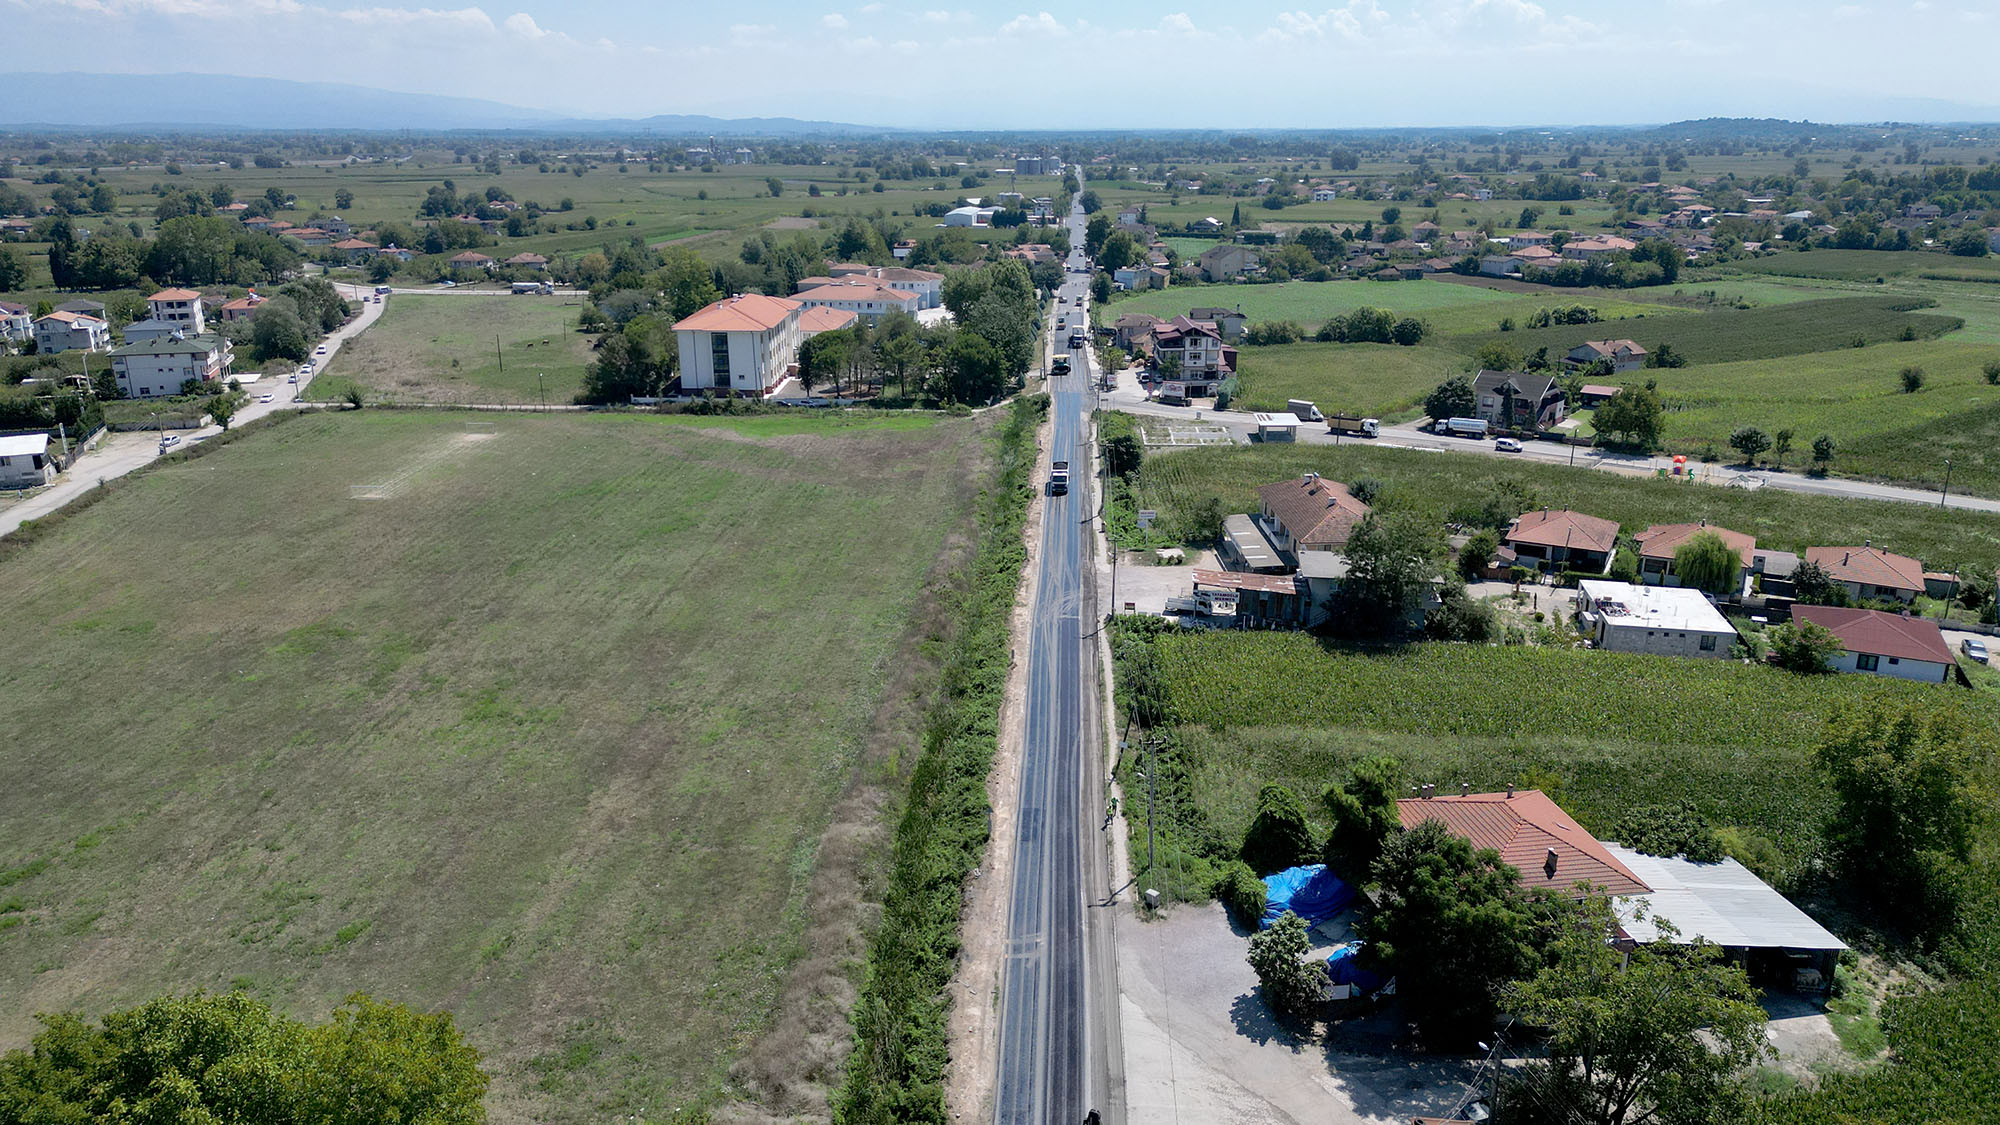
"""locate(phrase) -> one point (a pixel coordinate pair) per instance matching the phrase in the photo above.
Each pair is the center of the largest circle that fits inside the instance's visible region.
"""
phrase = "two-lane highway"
(1056, 1036)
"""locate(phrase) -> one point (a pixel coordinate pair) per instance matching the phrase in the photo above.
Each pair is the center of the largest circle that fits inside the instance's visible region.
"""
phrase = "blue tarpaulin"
(1311, 892)
(1344, 967)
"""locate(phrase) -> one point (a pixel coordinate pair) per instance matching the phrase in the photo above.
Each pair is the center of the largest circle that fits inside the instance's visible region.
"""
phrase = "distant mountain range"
(216, 101)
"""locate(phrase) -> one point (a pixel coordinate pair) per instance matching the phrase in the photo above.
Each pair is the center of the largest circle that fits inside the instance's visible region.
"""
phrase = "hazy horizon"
(1111, 65)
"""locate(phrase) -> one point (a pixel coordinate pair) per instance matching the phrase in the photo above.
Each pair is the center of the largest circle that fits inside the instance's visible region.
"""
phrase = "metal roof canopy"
(1249, 542)
(1719, 902)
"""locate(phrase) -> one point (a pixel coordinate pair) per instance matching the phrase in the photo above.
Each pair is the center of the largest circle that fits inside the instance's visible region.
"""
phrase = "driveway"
(1200, 1046)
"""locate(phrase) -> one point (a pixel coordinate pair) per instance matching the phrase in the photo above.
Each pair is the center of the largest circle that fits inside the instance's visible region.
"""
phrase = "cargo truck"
(1059, 478)
(1463, 427)
(1354, 427)
(1306, 411)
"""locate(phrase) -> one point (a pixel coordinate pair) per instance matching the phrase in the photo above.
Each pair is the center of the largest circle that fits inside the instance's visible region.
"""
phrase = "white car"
(267, 398)
(293, 379)
(321, 350)
(1506, 445)
(169, 441)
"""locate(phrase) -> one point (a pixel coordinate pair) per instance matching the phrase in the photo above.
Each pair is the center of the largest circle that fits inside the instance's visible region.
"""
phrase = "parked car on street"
(1975, 649)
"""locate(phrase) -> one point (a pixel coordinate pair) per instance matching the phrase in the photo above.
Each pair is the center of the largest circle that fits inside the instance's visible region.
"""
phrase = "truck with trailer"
(541, 287)
(1352, 426)
(1058, 478)
(1306, 410)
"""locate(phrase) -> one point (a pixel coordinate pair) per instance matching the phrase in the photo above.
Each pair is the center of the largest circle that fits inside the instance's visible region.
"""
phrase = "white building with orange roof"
(741, 345)
(178, 307)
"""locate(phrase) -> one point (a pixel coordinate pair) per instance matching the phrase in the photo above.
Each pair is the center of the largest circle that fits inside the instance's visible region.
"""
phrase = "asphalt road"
(1409, 435)
(1058, 1018)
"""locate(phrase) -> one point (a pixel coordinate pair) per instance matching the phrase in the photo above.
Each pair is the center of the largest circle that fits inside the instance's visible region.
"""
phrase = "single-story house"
(470, 260)
(25, 461)
(1559, 539)
(1724, 904)
(1659, 543)
(1309, 513)
(527, 261)
(1514, 400)
(1662, 620)
(1869, 572)
(1532, 834)
(1596, 394)
(1500, 265)
(1625, 355)
(1887, 644)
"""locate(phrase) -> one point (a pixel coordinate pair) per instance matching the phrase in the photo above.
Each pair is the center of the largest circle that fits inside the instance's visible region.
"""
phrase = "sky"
(1109, 64)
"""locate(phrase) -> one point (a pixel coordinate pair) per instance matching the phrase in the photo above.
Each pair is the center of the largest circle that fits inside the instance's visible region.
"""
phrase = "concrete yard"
(1200, 1046)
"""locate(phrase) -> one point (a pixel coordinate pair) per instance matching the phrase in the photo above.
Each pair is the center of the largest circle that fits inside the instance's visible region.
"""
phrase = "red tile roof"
(745, 312)
(1560, 527)
(175, 295)
(1318, 514)
(1661, 540)
(1524, 828)
(1877, 633)
(823, 318)
(1869, 564)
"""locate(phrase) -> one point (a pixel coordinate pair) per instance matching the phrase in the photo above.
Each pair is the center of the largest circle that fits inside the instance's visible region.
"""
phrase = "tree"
(1279, 837)
(222, 408)
(13, 271)
(277, 331)
(1391, 559)
(1705, 562)
(1822, 452)
(1364, 815)
(343, 199)
(1497, 357)
(1293, 986)
(1243, 893)
(1804, 647)
(1635, 414)
(1812, 585)
(1450, 925)
(1090, 202)
(1656, 1035)
(1750, 441)
(1452, 398)
(1781, 444)
(1664, 355)
(230, 1058)
(1478, 552)
(354, 398)
(687, 282)
(1408, 331)
(1912, 379)
(1909, 798)
(775, 185)
(1971, 244)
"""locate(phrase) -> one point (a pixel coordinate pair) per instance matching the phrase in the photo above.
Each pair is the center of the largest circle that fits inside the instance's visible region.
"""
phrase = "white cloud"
(939, 15)
(833, 20)
(523, 25)
(1177, 23)
(470, 19)
(905, 45)
(1041, 23)
(870, 9)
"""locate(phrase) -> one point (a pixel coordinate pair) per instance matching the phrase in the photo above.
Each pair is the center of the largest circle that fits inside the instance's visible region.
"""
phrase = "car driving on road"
(1506, 445)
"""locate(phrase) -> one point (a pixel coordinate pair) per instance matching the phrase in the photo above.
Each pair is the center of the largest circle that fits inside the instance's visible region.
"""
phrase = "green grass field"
(547, 738)
(462, 348)
(1736, 334)
(1866, 265)
(1433, 484)
(1447, 307)
(1374, 380)
(1735, 738)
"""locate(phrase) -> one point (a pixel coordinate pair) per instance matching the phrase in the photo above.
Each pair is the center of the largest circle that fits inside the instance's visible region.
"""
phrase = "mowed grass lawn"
(443, 349)
(547, 739)
(1372, 380)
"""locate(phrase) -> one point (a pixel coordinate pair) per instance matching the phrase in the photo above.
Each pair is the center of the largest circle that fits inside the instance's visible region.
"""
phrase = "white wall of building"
(1928, 671)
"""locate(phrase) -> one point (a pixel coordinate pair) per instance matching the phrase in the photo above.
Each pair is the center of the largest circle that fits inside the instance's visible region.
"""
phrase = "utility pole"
(1946, 490)
(496, 352)
(543, 388)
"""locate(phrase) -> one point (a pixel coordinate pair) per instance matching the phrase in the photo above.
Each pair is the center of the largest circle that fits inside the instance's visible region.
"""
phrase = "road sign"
(1146, 518)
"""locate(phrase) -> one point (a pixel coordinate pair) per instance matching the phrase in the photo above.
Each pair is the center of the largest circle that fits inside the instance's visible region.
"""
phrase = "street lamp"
(1946, 490)
(543, 389)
